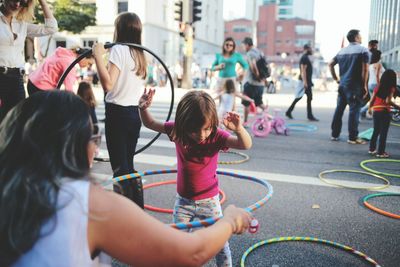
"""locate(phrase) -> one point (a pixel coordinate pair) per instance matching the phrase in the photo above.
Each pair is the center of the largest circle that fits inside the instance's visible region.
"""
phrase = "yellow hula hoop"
(320, 176)
(245, 158)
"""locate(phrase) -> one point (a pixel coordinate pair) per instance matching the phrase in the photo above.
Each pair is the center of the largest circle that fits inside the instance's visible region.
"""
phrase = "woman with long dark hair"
(53, 214)
(123, 80)
(15, 26)
(226, 62)
(380, 103)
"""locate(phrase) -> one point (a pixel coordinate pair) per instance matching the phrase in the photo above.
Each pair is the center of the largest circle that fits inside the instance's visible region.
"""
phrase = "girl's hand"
(232, 121)
(98, 50)
(146, 99)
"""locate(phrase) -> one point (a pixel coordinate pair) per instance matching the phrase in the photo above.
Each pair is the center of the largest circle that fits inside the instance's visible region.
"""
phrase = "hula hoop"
(380, 211)
(307, 239)
(87, 53)
(300, 127)
(320, 176)
(162, 210)
(395, 124)
(245, 157)
(208, 221)
(362, 164)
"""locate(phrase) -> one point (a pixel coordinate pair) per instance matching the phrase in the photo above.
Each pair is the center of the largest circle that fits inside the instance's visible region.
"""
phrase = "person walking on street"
(353, 69)
(15, 26)
(305, 84)
(254, 86)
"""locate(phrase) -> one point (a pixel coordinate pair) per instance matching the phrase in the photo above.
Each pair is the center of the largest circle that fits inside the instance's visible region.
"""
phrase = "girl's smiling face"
(202, 134)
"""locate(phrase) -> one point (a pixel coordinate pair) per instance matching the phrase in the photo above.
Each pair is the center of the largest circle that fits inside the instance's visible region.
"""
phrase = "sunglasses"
(23, 3)
(96, 136)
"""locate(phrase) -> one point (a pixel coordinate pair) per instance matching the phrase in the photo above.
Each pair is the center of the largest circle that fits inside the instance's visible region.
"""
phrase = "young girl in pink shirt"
(197, 141)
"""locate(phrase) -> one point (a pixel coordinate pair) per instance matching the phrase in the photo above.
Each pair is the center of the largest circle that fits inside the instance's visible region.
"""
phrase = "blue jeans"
(353, 98)
(371, 91)
(187, 210)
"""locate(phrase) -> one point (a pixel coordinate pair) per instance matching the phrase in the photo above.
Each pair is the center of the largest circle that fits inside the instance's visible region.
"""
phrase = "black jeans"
(11, 92)
(122, 127)
(381, 129)
(353, 98)
(32, 88)
(308, 92)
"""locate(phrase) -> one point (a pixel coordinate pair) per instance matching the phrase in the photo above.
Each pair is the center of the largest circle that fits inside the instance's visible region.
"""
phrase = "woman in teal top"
(225, 63)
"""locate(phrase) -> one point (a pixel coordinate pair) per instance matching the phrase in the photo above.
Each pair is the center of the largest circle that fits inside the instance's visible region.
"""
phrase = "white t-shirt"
(64, 237)
(226, 105)
(129, 87)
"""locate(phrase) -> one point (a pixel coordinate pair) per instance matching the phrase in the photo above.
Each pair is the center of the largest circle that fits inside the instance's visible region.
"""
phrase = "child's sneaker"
(357, 141)
(335, 138)
(383, 155)
(372, 152)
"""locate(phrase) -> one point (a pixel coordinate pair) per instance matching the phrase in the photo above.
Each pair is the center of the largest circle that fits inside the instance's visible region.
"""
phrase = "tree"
(71, 15)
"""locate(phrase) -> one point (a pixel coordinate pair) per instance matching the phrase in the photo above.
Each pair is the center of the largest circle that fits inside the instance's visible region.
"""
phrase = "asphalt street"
(301, 204)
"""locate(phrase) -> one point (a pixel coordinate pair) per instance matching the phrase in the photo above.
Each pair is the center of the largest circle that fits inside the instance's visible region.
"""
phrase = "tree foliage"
(72, 15)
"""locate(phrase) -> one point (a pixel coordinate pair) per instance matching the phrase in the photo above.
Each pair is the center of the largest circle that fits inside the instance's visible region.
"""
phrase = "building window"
(262, 46)
(285, 11)
(304, 29)
(61, 43)
(263, 34)
(279, 28)
(122, 6)
(89, 42)
(285, 2)
(240, 29)
(278, 42)
(302, 42)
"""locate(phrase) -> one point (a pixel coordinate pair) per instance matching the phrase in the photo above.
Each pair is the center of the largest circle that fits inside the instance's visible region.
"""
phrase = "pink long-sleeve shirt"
(47, 75)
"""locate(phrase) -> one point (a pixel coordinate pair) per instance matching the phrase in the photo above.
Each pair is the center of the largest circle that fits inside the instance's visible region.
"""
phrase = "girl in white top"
(227, 98)
(50, 220)
(123, 81)
(375, 70)
(15, 26)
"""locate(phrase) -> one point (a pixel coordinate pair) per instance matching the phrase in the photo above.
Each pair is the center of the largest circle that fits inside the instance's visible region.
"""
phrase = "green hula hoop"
(363, 165)
(244, 156)
(308, 239)
(395, 124)
(320, 175)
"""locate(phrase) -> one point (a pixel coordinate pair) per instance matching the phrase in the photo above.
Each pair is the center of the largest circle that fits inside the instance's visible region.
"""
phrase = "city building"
(287, 9)
(385, 27)
(281, 40)
(160, 29)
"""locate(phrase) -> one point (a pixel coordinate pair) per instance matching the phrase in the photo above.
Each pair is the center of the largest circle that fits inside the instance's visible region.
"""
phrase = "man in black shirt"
(305, 84)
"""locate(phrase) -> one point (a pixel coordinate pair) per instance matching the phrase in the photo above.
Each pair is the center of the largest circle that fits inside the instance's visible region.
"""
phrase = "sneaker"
(357, 141)
(372, 152)
(335, 138)
(383, 155)
(289, 115)
(313, 119)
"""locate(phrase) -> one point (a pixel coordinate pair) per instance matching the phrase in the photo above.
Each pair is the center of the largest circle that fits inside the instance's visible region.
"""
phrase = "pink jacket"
(47, 75)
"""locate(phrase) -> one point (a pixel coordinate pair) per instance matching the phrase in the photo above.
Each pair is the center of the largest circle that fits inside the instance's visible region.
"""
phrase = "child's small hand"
(232, 121)
(146, 99)
(370, 111)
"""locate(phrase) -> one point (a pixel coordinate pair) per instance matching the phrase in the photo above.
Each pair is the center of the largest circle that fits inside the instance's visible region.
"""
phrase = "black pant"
(11, 92)
(308, 92)
(122, 127)
(32, 88)
(381, 128)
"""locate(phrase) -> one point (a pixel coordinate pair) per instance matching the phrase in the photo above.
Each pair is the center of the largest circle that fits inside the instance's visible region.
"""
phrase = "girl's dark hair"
(387, 83)
(43, 139)
(375, 55)
(228, 39)
(85, 91)
(193, 111)
(128, 29)
(230, 86)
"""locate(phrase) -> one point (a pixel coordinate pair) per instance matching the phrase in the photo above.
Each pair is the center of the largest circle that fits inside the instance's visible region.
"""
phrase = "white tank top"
(64, 237)
(226, 105)
(372, 73)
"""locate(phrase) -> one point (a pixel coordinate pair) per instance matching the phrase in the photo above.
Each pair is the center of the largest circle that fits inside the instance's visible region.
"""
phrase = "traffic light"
(179, 11)
(196, 11)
